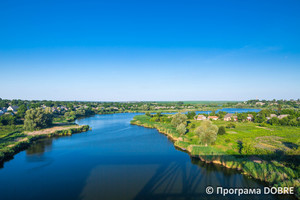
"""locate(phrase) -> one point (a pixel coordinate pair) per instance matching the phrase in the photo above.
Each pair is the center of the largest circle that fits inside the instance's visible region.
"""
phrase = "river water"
(114, 161)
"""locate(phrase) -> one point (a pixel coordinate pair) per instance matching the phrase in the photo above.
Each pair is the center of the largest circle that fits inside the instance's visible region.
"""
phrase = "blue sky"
(149, 50)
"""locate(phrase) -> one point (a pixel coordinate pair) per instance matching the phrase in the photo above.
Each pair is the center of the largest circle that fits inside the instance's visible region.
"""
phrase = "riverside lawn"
(269, 153)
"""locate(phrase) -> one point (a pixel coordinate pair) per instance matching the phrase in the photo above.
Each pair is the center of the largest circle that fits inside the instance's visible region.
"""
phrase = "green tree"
(274, 121)
(3, 104)
(181, 129)
(242, 117)
(21, 111)
(7, 119)
(284, 121)
(179, 119)
(207, 132)
(230, 125)
(37, 118)
(259, 118)
(191, 115)
(221, 114)
(70, 116)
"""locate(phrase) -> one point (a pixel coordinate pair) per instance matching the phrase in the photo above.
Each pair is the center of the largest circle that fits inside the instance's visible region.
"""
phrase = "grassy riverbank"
(269, 154)
(14, 139)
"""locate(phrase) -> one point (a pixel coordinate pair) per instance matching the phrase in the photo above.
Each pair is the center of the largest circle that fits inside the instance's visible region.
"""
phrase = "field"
(10, 134)
(265, 139)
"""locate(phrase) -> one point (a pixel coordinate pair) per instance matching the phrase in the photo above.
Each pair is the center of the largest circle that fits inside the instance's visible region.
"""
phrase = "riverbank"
(262, 167)
(14, 142)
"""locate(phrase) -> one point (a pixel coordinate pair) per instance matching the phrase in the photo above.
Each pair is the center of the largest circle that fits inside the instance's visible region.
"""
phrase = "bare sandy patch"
(232, 132)
(51, 130)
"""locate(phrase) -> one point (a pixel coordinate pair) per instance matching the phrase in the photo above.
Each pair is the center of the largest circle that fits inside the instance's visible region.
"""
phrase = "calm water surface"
(115, 160)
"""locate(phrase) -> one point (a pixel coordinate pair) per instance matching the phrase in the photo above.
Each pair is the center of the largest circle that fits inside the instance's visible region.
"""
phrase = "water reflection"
(40, 147)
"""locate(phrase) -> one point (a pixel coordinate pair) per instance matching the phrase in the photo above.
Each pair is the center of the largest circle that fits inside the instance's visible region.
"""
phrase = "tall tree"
(179, 119)
(191, 115)
(37, 119)
(207, 132)
(181, 129)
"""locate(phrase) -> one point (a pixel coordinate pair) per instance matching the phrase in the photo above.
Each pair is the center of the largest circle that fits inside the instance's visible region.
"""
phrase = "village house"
(13, 108)
(201, 117)
(1, 112)
(229, 116)
(160, 107)
(250, 117)
(234, 118)
(213, 117)
(271, 116)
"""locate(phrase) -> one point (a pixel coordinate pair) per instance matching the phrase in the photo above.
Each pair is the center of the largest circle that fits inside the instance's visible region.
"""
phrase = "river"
(115, 160)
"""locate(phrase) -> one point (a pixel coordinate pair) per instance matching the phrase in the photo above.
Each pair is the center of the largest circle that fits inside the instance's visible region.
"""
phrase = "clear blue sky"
(149, 50)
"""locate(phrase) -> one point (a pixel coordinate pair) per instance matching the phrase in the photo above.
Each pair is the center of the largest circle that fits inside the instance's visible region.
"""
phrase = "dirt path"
(264, 128)
(51, 130)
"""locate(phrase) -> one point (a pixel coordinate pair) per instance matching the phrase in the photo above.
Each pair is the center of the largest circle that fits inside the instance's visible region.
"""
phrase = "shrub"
(230, 125)
(221, 130)
(227, 140)
(264, 124)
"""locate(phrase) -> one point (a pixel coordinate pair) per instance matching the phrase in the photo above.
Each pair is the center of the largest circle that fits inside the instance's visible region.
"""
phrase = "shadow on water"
(181, 181)
(165, 177)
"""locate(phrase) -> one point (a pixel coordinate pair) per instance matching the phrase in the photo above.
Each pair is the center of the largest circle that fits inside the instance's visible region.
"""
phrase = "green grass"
(259, 139)
(10, 134)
